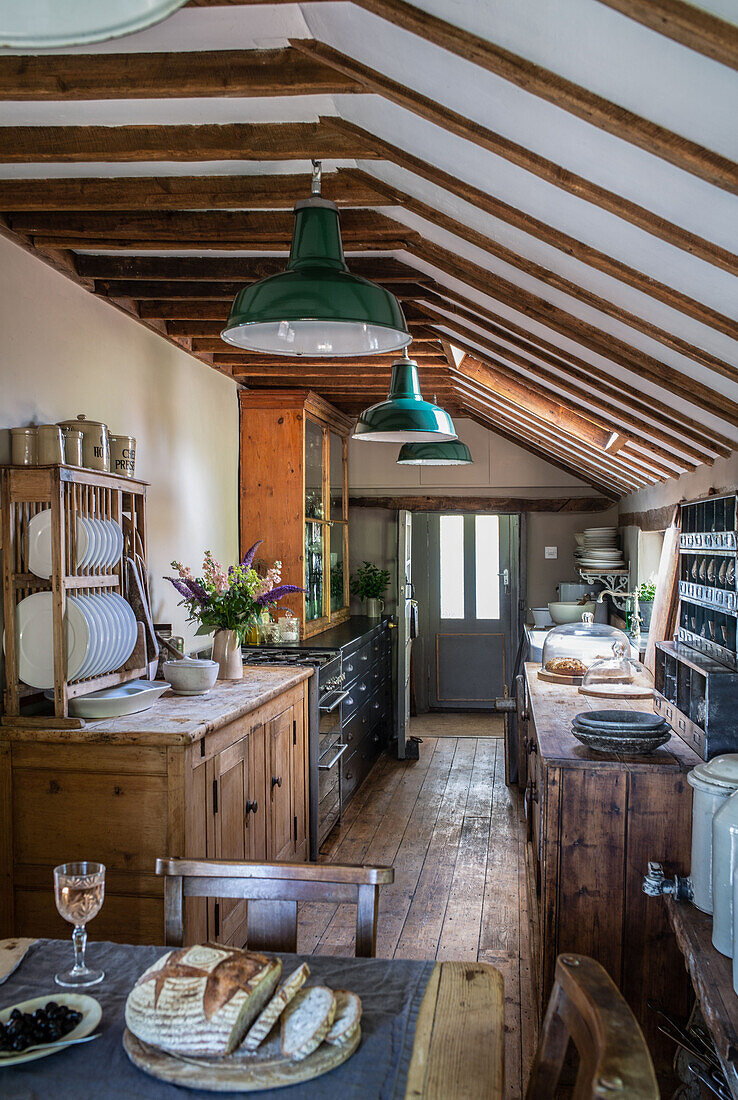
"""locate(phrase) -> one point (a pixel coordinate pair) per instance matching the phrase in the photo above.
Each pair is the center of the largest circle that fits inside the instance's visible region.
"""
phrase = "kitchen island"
(594, 821)
(217, 776)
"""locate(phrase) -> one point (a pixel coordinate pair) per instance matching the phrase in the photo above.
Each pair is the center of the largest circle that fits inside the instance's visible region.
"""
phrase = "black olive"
(16, 1014)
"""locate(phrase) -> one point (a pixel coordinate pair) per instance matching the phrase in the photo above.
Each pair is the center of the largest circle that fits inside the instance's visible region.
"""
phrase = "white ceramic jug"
(712, 783)
(724, 860)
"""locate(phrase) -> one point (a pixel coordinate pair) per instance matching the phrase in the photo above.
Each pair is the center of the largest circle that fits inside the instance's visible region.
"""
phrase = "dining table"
(431, 1030)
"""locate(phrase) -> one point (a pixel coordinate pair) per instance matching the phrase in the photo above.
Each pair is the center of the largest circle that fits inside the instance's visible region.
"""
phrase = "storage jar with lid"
(724, 859)
(712, 783)
(95, 441)
(569, 650)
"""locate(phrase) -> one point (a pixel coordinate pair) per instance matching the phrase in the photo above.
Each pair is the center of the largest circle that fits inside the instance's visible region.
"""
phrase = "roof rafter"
(690, 26)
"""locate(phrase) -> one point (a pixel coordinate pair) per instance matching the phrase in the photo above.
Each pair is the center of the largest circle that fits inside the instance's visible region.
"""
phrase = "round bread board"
(557, 678)
(626, 693)
(266, 1068)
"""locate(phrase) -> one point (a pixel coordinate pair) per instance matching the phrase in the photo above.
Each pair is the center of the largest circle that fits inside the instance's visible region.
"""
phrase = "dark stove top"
(288, 656)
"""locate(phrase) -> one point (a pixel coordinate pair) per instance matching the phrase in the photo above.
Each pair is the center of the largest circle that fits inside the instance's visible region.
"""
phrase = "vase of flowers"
(229, 603)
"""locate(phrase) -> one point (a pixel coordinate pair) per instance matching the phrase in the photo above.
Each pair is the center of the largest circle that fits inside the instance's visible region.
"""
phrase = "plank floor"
(450, 827)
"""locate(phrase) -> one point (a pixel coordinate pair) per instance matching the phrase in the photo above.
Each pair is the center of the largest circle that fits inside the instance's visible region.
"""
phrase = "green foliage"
(369, 582)
(646, 591)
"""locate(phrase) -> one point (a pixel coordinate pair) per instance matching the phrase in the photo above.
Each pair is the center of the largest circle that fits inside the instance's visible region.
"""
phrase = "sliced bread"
(306, 1021)
(346, 1020)
(271, 1013)
(201, 1000)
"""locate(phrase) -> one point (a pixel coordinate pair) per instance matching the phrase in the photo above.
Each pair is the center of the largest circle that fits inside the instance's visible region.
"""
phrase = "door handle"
(336, 758)
(505, 574)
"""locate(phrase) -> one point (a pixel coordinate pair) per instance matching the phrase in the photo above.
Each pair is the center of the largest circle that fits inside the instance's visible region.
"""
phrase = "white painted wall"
(722, 476)
(62, 352)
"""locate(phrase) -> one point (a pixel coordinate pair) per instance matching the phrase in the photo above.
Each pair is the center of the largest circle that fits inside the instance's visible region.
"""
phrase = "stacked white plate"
(598, 550)
(99, 543)
(101, 633)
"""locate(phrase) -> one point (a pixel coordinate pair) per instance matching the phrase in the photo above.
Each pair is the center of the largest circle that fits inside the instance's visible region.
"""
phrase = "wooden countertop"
(712, 978)
(553, 708)
(178, 719)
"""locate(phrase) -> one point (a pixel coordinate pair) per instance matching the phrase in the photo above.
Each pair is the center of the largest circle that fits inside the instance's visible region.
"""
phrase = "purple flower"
(198, 592)
(246, 563)
(190, 589)
(277, 594)
(181, 587)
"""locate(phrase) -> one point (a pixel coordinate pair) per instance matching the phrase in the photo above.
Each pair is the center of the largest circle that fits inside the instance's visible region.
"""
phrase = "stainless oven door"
(330, 751)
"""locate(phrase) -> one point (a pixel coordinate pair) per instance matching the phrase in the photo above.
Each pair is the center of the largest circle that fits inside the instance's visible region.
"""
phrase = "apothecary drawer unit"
(68, 493)
(697, 696)
(708, 578)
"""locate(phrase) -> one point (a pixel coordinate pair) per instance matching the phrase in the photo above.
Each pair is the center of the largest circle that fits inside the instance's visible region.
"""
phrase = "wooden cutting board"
(266, 1068)
(12, 953)
(558, 678)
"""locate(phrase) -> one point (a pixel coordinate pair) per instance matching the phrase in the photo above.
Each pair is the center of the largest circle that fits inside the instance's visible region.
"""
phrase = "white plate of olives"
(55, 1018)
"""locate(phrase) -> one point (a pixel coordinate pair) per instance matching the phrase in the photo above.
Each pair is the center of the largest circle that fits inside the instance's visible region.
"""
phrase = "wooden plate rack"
(68, 491)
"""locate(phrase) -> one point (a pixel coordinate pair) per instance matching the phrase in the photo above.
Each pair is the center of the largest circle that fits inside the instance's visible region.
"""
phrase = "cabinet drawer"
(355, 730)
(356, 664)
(358, 694)
(359, 765)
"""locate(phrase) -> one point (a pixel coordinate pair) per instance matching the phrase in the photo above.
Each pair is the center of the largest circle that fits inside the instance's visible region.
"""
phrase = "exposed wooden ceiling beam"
(230, 141)
(190, 328)
(201, 244)
(223, 192)
(570, 365)
(574, 328)
(380, 269)
(146, 289)
(697, 310)
(547, 408)
(201, 73)
(271, 226)
(552, 173)
(644, 283)
(423, 356)
(616, 419)
(692, 27)
(493, 421)
(565, 94)
(497, 505)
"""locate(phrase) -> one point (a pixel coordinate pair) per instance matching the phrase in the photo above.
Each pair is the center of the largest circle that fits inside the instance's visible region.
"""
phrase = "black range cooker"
(326, 743)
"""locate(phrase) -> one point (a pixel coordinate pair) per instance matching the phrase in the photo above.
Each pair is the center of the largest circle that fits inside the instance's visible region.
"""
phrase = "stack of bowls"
(630, 732)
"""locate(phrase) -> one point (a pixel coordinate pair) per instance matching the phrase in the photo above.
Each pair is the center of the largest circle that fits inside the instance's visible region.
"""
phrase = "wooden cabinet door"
(280, 734)
(229, 833)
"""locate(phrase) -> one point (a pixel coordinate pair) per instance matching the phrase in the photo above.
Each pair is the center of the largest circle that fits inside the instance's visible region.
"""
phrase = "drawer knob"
(276, 781)
(251, 807)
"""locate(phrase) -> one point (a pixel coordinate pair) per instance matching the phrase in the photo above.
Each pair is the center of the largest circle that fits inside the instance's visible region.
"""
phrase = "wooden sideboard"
(593, 823)
(220, 776)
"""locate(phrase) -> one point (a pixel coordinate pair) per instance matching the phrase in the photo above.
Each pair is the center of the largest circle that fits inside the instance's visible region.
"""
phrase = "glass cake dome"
(619, 674)
(569, 650)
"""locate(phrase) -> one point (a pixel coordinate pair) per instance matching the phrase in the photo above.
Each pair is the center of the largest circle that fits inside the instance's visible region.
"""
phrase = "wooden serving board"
(266, 1068)
(12, 954)
(605, 693)
(558, 678)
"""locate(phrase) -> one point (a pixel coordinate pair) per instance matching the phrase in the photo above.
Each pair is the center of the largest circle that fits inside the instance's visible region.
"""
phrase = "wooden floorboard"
(451, 829)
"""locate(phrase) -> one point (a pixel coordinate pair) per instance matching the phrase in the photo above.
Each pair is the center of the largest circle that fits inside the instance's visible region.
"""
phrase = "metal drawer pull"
(251, 807)
(327, 708)
(336, 758)
(276, 781)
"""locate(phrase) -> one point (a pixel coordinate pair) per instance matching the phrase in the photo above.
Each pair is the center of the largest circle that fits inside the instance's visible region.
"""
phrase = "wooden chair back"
(273, 891)
(588, 1007)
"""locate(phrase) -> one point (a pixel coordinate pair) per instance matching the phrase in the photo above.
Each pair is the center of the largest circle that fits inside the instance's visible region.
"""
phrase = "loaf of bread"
(566, 666)
(268, 1016)
(201, 1000)
(346, 1021)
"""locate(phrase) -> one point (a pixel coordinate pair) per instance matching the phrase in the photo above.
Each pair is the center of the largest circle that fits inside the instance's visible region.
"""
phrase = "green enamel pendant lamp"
(451, 453)
(316, 307)
(405, 417)
(56, 24)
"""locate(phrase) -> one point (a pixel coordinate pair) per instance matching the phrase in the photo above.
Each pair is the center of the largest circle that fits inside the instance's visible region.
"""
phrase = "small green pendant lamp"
(405, 417)
(453, 453)
(316, 307)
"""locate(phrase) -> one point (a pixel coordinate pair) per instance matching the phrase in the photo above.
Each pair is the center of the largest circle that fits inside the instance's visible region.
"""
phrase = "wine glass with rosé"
(79, 889)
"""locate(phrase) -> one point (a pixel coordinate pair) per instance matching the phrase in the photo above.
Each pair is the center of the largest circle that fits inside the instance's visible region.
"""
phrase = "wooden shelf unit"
(284, 492)
(68, 491)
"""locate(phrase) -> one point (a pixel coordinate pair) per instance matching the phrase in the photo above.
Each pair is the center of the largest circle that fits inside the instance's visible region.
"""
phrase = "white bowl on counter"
(190, 676)
(564, 611)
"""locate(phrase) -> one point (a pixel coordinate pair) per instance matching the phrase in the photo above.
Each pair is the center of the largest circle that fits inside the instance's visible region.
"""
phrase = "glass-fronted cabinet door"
(339, 589)
(316, 525)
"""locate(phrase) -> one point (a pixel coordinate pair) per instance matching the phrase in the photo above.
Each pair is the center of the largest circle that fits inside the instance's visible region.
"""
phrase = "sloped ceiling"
(550, 185)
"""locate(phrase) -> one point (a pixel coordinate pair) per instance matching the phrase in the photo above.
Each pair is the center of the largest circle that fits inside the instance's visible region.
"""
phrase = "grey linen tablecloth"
(391, 991)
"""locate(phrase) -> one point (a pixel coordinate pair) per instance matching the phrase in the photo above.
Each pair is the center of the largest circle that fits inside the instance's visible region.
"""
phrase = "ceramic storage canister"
(712, 783)
(95, 442)
(724, 860)
(24, 446)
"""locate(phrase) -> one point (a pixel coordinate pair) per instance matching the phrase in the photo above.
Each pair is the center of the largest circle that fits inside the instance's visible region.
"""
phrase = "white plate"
(35, 647)
(95, 647)
(85, 541)
(80, 1002)
(116, 535)
(93, 553)
(106, 543)
(39, 544)
(123, 699)
(115, 632)
(130, 618)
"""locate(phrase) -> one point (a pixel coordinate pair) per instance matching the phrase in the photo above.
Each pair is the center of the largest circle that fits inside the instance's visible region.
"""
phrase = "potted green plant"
(646, 593)
(369, 583)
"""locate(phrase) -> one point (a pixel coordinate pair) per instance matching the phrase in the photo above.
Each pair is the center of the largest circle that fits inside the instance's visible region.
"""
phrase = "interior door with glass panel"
(470, 609)
(326, 524)
(405, 597)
